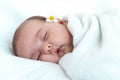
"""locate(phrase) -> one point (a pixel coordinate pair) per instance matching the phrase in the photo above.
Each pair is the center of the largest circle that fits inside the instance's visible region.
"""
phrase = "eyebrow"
(38, 33)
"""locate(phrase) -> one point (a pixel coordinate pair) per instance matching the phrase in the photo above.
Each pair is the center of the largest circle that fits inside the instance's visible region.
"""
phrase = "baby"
(38, 39)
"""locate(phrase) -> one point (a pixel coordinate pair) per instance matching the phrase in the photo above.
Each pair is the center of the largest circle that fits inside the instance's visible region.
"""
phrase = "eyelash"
(45, 36)
(39, 57)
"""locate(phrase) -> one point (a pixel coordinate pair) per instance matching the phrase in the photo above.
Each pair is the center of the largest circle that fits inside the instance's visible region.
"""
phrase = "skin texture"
(45, 41)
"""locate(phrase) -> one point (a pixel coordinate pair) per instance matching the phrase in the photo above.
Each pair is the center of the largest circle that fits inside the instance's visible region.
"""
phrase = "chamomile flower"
(51, 19)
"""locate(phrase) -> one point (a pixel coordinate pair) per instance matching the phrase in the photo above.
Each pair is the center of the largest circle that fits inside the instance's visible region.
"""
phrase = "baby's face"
(44, 41)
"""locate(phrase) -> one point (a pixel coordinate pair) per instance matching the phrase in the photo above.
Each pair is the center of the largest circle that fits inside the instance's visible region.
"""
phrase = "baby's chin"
(54, 60)
(57, 61)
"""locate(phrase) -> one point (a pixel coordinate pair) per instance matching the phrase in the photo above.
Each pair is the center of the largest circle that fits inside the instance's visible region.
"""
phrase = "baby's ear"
(64, 22)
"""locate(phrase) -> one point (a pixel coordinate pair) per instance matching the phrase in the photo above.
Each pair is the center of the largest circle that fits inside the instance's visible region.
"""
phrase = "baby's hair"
(16, 34)
(37, 17)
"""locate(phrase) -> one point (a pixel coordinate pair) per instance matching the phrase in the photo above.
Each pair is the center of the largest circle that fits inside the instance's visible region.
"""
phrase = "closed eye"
(38, 58)
(45, 36)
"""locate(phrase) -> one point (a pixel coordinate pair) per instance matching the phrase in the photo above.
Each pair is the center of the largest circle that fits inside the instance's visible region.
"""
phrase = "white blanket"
(96, 55)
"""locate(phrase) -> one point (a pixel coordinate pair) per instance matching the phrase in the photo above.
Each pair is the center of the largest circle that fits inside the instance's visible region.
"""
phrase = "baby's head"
(40, 40)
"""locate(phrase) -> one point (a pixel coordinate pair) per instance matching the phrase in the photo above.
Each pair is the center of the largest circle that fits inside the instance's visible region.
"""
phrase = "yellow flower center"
(51, 18)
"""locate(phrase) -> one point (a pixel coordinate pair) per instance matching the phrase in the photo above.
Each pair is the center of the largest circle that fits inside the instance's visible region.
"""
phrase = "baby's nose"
(48, 48)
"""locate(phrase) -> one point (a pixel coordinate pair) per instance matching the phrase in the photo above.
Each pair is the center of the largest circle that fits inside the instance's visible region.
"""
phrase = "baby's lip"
(60, 52)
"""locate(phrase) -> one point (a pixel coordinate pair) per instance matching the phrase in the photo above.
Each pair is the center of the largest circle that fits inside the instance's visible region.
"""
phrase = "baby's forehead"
(29, 23)
(32, 21)
(25, 25)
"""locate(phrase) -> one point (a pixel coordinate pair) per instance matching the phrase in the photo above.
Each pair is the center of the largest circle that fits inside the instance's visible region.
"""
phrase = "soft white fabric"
(96, 55)
(14, 68)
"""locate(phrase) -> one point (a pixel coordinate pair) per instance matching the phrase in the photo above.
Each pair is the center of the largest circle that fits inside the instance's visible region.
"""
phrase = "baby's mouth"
(59, 52)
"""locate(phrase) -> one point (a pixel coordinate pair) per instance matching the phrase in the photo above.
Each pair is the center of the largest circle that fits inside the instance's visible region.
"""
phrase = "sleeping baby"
(90, 42)
(39, 39)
